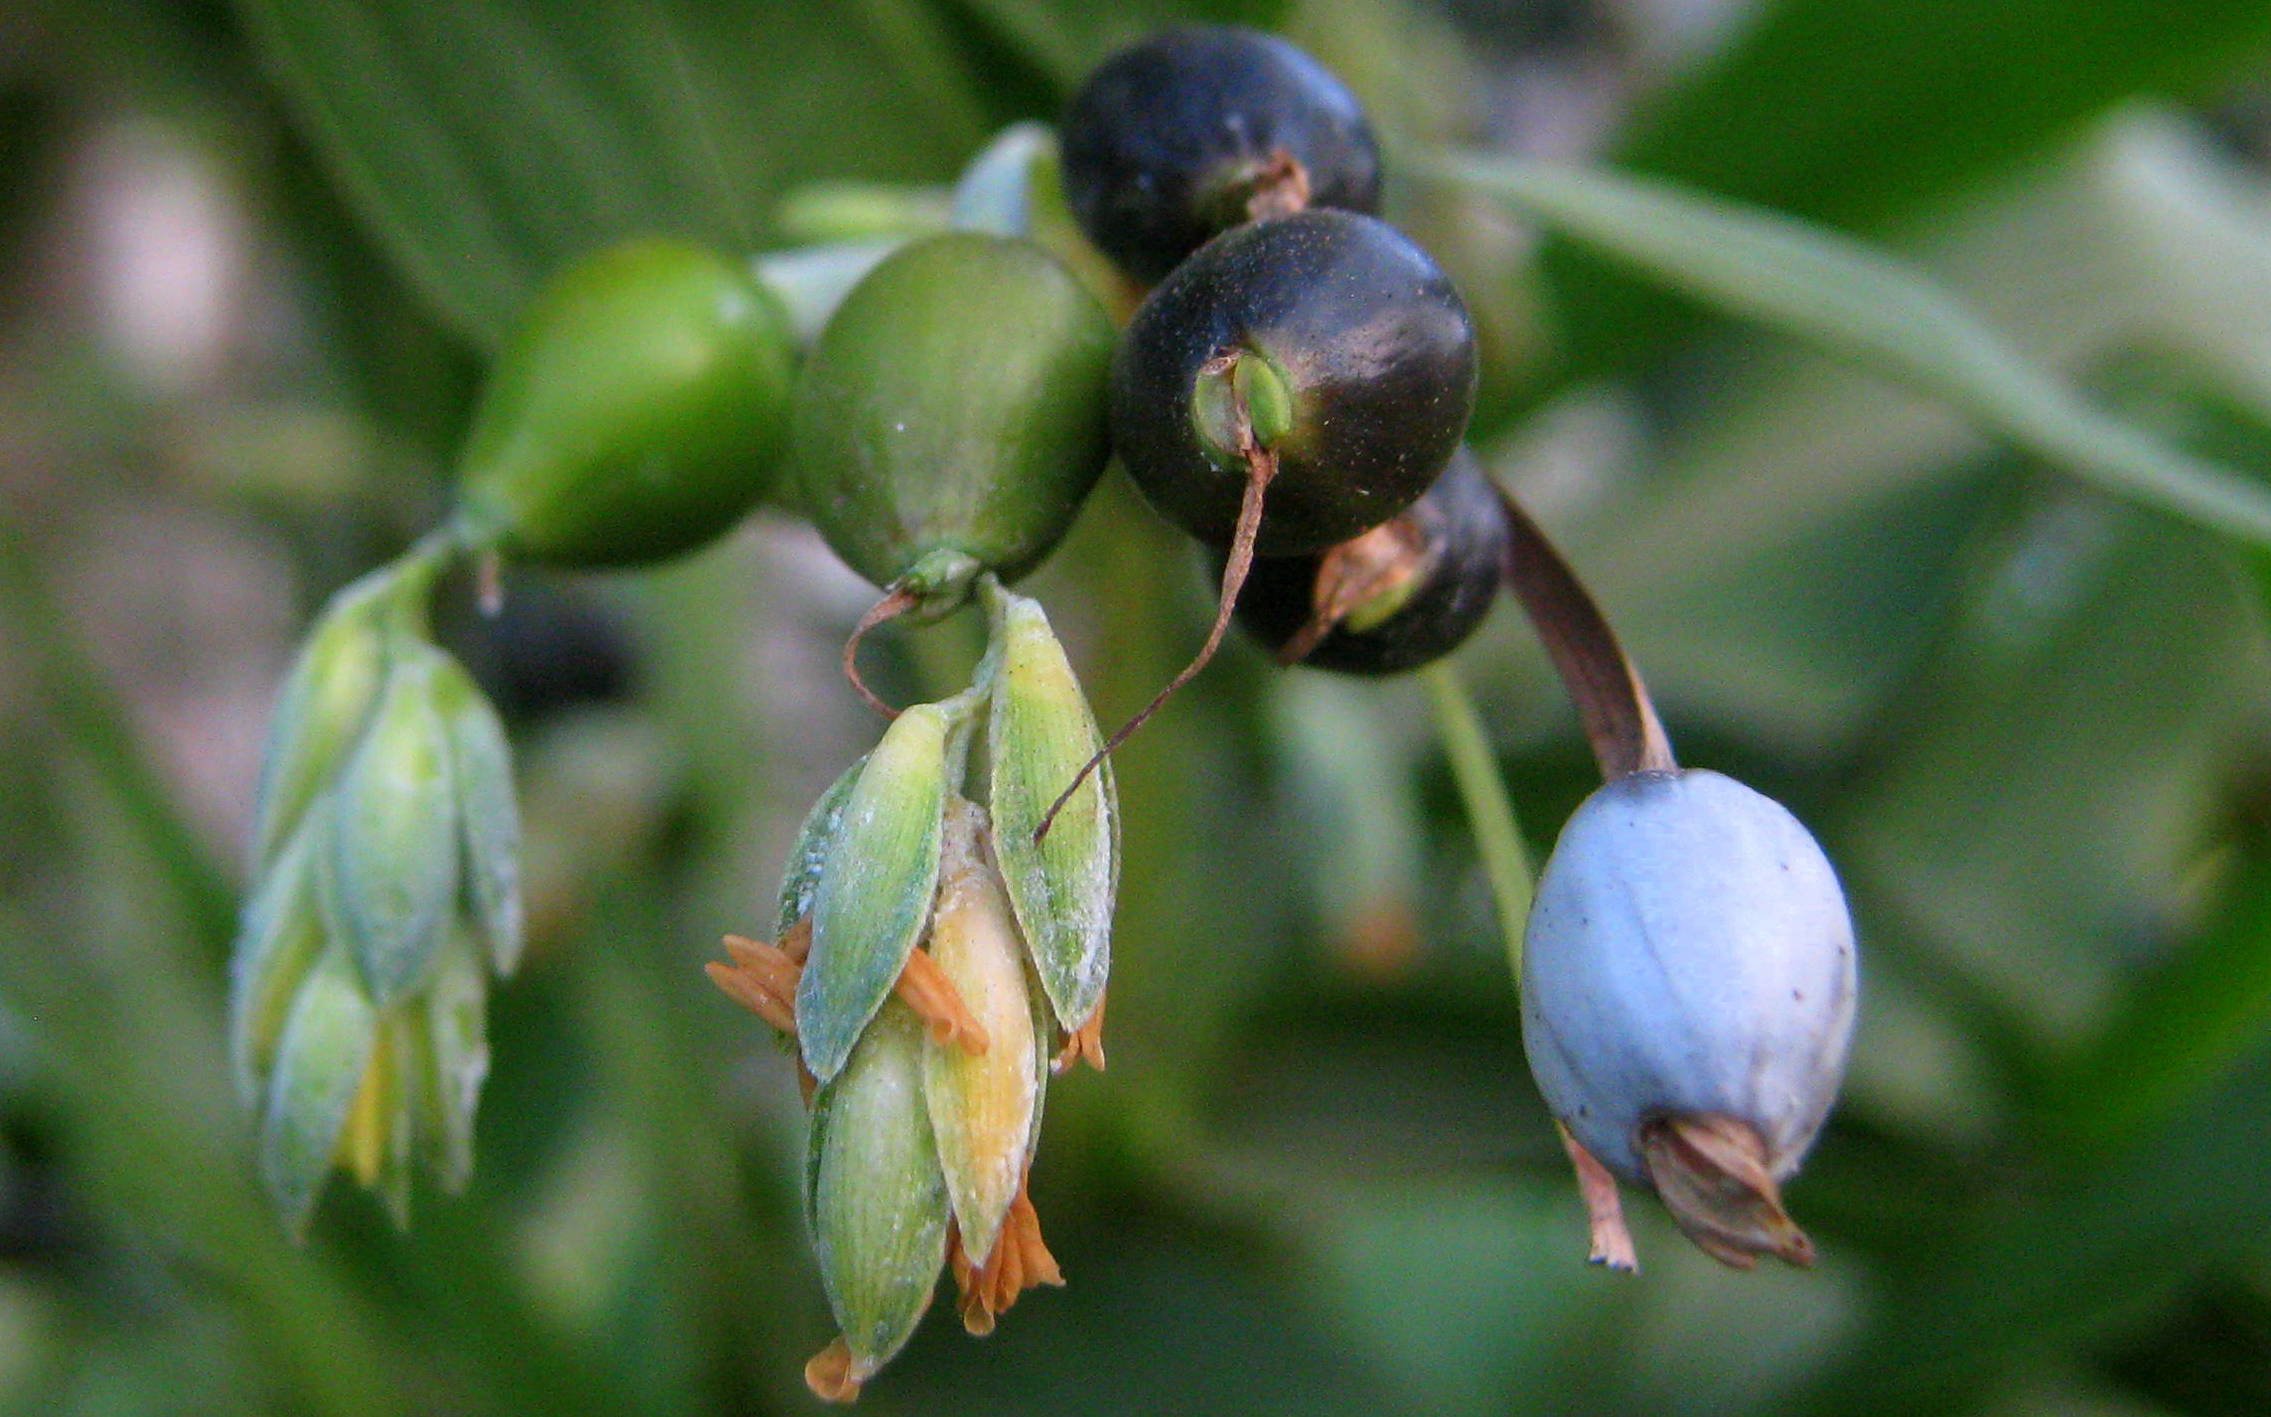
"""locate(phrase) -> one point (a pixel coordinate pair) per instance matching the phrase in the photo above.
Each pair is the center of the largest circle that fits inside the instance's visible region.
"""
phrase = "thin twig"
(1498, 837)
(1261, 468)
(896, 603)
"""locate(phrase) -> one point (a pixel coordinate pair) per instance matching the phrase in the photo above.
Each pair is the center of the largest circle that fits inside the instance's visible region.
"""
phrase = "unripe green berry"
(637, 411)
(952, 416)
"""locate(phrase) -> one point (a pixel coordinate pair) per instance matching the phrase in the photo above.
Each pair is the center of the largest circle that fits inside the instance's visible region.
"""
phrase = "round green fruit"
(951, 418)
(638, 411)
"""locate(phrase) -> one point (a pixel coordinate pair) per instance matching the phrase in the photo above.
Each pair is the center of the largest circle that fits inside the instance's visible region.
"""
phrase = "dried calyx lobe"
(1172, 139)
(1366, 338)
(1417, 585)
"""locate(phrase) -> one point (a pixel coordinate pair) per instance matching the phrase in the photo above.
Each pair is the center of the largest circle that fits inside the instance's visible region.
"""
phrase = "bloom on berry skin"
(1687, 1003)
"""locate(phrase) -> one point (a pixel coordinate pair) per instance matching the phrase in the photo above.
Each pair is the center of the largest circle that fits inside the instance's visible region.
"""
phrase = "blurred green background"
(250, 259)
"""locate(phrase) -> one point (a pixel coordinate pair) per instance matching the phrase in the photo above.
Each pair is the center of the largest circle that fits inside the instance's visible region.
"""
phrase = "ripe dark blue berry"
(1197, 130)
(1294, 384)
(1402, 595)
(1339, 343)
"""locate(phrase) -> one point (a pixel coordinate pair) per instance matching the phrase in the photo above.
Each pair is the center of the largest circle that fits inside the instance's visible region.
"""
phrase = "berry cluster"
(1302, 373)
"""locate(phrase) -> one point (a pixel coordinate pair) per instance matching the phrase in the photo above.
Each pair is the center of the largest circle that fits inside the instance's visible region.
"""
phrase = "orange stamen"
(924, 987)
(1083, 1043)
(829, 1374)
(763, 977)
(1020, 1261)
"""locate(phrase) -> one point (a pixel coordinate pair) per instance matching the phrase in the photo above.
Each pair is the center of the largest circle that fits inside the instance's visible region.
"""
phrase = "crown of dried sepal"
(1688, 995)
(983, 1104)
(481, 770)
(396, 855)
(1062, 887)
(876, 1200)
(874, 894)
(324, 704)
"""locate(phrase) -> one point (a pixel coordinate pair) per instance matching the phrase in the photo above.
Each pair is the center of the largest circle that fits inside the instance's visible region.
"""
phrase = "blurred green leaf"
(1864, 115)
(2039, 1271)
(486, 142)
(1853, 112)
(2181, 1027)
(2031, 860)
(1865, 306)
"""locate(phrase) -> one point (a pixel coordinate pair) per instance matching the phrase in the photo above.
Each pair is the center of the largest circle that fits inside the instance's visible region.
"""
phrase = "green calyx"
(954, 404)
(638, 411)
(1237, 396)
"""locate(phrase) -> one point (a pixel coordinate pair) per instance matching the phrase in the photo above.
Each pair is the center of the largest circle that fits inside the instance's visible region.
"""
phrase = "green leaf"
(1854, 112)
(2040, 795)
(2182, 1027)
(1062, 886)
(1864, 306)
(486, 143)
(394, 843)
(1863, 115)
(875, 892)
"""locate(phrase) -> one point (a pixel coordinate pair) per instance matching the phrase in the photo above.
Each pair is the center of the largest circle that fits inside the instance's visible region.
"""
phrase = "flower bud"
(875, 1196)
(358, 982)
(875, 891)
(325, 702)
(396, 855)
(481, 770)
(449, 1047)
(1688, 996)
(281, 939)
(1062, 886)
(982, 1105)
(638, 410)
(321, 1062)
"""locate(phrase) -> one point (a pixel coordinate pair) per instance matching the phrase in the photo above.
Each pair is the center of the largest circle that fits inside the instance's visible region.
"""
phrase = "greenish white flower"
(387, 891)
(929, 953)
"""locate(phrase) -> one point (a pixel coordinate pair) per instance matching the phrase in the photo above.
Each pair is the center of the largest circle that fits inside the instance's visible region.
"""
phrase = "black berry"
(1197, 130)
(1402, 595)
(1342, 345)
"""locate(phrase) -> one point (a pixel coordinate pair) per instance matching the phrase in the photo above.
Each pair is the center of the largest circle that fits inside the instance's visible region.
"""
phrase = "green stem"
(964, 710)
(1498, 837)
(414, 573)
(88, 712)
